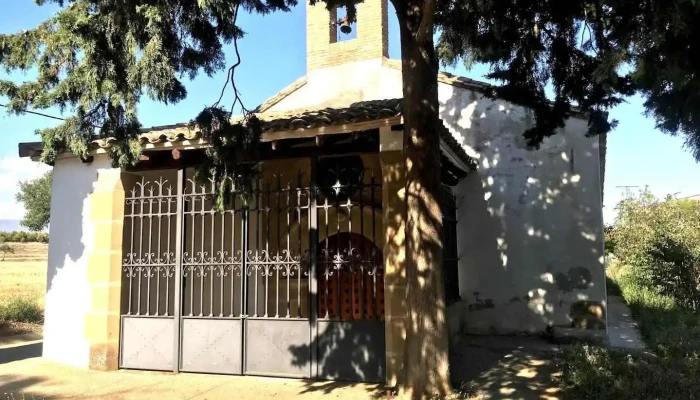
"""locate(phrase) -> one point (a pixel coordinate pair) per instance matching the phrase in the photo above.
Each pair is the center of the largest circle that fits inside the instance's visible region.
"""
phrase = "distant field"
(25, 271)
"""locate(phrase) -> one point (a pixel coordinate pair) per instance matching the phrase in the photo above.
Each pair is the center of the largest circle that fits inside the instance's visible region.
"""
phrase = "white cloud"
(13, 170)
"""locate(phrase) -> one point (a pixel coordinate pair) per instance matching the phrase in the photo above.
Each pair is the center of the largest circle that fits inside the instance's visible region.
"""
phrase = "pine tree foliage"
(231, 157)
(98, 58)
(591, 53)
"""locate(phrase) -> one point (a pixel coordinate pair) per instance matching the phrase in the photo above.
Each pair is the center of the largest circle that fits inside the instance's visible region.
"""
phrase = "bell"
(345, 25)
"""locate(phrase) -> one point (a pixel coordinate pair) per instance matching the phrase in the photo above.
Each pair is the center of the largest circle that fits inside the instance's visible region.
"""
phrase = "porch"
(302, 277)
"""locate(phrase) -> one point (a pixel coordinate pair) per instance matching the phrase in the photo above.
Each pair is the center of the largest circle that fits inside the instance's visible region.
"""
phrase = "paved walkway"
(46, 380)
(622, 328)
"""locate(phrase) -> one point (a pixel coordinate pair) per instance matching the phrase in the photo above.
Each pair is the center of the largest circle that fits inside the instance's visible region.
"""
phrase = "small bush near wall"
(24, 237)
(674, 271)
(609, 239)
(660, 238)
(21, 308)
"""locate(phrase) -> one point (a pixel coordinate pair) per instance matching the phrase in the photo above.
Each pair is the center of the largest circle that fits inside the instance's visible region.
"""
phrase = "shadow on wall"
(530, 232)
(67, 289)
(72, 184)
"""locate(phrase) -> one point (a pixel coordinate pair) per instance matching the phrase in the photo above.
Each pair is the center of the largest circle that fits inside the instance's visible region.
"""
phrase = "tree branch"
(230, 75)
(45, 115)
(33, 112)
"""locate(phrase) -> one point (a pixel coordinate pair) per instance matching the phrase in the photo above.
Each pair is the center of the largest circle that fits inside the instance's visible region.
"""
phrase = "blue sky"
(273, 53)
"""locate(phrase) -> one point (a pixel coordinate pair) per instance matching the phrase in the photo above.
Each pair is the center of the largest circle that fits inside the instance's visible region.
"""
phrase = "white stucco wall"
(343, 85)
(71, 238)
(530, 221)
(530, 227)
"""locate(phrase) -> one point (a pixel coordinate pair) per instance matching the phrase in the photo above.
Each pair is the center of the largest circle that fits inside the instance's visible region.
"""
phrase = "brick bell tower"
(323, 49)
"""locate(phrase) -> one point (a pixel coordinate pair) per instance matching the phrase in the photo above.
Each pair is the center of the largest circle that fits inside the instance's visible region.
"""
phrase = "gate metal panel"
(149, 274)
(277, 347)
(146, 343)
(212, 285)
(350, 275)
(351, 350)
(211, 345)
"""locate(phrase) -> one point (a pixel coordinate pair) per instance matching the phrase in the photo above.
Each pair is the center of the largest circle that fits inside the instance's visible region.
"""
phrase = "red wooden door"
(350, 278)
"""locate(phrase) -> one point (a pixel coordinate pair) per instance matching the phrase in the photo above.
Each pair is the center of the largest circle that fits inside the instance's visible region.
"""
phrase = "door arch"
(350, 278)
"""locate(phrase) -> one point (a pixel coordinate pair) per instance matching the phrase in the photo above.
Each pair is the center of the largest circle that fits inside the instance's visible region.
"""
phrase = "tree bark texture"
(426, 347)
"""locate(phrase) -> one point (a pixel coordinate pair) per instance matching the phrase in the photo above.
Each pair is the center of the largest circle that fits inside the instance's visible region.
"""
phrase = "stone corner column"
(394, 221)
(104, 268)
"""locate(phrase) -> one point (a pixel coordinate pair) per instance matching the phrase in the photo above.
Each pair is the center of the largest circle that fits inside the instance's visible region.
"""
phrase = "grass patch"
(24, 273)
(670, 332)
(21, 308)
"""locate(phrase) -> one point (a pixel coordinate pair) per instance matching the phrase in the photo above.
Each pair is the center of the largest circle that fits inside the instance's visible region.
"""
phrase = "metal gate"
(287, 281)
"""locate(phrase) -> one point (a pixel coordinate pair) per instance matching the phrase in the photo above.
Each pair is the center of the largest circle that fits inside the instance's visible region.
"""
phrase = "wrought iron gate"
(287, 281)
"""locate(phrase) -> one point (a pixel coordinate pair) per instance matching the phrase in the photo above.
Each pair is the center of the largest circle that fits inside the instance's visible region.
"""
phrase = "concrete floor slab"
(622, 328)
(47, 380)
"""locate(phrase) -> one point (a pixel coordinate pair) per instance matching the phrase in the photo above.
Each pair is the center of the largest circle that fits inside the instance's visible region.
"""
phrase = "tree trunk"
(426, 350)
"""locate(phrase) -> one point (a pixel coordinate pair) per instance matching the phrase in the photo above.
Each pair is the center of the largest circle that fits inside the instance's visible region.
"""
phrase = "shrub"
(24, 237)
(5, 248)
(661, 238)
(674, 270)
(21, 308)
(609, 239)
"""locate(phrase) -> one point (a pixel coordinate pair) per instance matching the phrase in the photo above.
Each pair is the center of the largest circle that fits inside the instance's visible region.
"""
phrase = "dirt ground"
(25, 271)
(13, 333)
